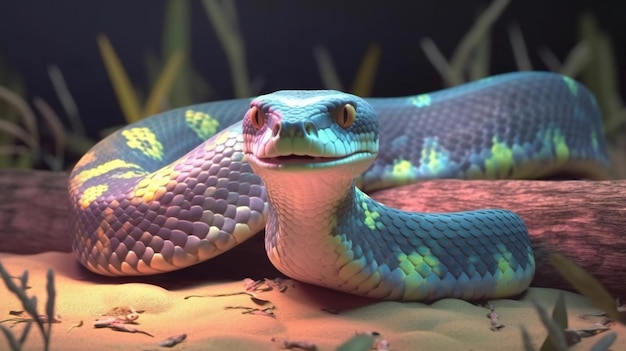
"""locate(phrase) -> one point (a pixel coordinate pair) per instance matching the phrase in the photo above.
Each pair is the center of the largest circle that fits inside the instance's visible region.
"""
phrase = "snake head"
(298, 130)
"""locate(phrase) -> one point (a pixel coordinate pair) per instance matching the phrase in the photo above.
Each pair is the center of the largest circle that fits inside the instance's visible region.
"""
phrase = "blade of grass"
(605, 343)
(577, 59)
(520, 53)
(478, 66)
(66, 98)
(435, 56)
(325, 64)
(56, 128)
(223, 18)
(555, 333)
(13, 342)
(163, 85)
(470, 40)
(364, 80)
(527, 340)
(49, 306)
(549, 59)
(25, 332)
(14, 150)
(601, 74)
(587, 285)
(19, 133)
(28, 116)
(559, 317)
(176, 40)
(126, 96)
(8, 113)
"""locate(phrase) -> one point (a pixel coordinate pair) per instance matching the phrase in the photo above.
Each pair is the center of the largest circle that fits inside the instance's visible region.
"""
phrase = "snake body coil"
(179, 188)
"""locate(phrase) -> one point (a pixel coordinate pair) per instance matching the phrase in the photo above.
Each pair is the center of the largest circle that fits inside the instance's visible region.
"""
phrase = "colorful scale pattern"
(468, 255)
(512, 126)
(166, 192)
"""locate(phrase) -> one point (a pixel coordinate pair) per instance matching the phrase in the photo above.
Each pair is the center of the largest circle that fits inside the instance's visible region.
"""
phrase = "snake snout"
(294, 129)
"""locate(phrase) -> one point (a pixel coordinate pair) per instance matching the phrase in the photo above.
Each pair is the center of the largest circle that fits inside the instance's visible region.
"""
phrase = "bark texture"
(33, 212)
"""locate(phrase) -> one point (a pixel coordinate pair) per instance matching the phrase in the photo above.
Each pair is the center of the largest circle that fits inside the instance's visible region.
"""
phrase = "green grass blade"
(51, 296)
(49, 306)
(177, 40)
(55, 126)
(559, 313)
(601, 74)
(8, 280)
(223, 18)
(588, 286)
(556, 338)
(559, 316)
(67, 100)
(527, 340)
(472, 38)
(364, 80)
(163, 85)
(126, 96)
(518, 44)
(19, 133)
(25, 332)
(435, 56)
(605, 343)
(13, 342)
(328, 72)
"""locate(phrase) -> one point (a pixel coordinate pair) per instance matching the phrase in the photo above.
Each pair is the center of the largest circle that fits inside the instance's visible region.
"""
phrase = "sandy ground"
(302, 313)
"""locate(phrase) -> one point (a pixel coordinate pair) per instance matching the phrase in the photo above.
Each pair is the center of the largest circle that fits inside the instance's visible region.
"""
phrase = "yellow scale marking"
(144, 140)
(101, 169)
(202, 123)
(501, 161)
(92, 193)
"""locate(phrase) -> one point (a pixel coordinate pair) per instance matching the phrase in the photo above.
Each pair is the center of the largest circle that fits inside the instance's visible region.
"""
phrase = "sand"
(302, 313)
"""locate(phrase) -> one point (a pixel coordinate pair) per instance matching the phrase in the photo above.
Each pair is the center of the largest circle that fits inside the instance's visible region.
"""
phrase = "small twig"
(494, 319)
(119, 319)
(298, 344)
(75, 325)
(267, 311)
(25, 317)
(127, 329)
(331, 310)
(278, 284)
(173, 340)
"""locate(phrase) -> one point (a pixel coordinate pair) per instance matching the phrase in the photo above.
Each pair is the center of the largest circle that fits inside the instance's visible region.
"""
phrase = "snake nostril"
(276, 129)
(310, 128)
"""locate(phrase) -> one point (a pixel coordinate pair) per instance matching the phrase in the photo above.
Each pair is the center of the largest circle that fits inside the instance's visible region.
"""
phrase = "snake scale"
(185, 185)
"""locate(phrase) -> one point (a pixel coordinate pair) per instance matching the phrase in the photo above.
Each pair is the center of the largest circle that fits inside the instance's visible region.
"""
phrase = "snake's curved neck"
(302, 221)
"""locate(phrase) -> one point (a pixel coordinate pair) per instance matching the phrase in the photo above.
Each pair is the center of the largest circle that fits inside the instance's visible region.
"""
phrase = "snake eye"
(257, 118)
(346, 116)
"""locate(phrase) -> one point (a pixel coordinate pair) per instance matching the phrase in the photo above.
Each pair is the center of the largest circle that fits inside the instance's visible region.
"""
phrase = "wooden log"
(33, 212)
(583, 220)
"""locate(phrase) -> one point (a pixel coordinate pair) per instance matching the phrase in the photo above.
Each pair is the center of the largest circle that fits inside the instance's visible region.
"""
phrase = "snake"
(188, 184)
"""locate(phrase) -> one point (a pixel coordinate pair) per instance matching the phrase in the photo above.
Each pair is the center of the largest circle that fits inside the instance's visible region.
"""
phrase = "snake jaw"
(295, 162)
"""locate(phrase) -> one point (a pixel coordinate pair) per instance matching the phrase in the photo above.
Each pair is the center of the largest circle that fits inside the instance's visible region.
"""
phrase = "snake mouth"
(308, 161)
(297, 159)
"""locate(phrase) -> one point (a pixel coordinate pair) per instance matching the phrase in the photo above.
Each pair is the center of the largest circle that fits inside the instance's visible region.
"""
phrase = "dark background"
(280, 36)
